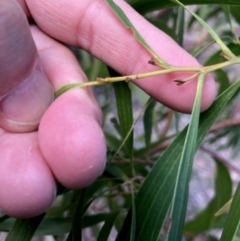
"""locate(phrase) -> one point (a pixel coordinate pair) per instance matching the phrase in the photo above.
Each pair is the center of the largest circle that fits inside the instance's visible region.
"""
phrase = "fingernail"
(23, 108)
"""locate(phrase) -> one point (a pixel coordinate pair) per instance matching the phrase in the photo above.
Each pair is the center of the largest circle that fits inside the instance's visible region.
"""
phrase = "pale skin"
(45, 141)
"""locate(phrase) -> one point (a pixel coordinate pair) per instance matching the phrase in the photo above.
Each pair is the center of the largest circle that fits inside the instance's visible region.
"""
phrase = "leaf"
(143, 6)
(140, 95)
(223, 189)
(155, 195)
(66, 88)
(218, 40)
(233, 219)
(116, 173)
(125, 112)
(133, 218)
(23, 230)
(222, 79)
(112, 141)
(226, 10)
(121, 15)
(180, 26)
(147, 122)
(58, 226)
(180, 197)
(224, 209)
(235, 11)
(76, 232)
(217, 58)
(3, 219)
(107, 227)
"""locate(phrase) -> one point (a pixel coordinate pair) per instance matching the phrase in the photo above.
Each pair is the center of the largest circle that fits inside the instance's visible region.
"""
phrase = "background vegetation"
(144, 188)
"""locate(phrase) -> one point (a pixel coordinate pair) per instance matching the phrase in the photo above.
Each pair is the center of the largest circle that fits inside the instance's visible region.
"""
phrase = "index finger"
(93, 26)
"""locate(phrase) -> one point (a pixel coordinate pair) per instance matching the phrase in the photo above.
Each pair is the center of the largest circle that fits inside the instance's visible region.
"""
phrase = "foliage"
(143, 193)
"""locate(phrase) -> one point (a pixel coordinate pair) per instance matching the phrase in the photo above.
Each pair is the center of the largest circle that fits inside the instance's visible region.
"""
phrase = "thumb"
(25, 91)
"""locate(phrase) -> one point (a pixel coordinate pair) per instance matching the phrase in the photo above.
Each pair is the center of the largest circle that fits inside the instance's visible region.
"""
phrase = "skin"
(44, 141)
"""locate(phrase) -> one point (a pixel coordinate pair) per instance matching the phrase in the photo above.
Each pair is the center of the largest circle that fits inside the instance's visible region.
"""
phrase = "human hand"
(69, 127)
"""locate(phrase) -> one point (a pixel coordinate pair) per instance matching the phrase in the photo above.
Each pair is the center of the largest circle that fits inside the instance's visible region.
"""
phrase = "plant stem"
(171, 69)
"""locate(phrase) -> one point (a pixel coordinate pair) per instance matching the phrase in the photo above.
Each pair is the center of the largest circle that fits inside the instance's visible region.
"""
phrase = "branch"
(221, 159)
(225, 124)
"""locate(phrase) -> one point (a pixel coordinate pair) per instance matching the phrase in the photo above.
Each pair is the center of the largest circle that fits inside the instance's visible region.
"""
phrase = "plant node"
(152, 61)
(224, 56)
(105, 80)
(155, 62)
(179, 82)
(131, 78)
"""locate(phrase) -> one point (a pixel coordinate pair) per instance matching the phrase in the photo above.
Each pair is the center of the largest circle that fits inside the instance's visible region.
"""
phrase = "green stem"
(129, 78)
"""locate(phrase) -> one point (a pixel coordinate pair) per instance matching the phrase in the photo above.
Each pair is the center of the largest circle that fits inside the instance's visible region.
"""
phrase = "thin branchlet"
(163, 70)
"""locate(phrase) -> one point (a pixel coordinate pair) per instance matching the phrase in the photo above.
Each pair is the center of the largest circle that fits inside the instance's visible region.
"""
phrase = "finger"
(25, 92)
(27, 186)
(24, 7)
(70, 134)
(93, 26)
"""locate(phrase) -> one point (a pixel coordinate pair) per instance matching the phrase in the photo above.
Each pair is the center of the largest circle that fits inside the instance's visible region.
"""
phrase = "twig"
(221, 159)
(167, 123)
(222, 125)
(225, 124)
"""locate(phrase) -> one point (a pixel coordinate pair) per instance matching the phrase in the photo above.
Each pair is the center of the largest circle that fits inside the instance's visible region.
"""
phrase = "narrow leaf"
(235, 12)
(23, 230)
(76, 232)
(224, 209)
(218, 40)
(121, 15)
(147, 122)
(180, 198)
(233, 219)
(151, 5)
(125, 112)
(133, 219)
(155, 195)
(206, 219)
(180, 26)
(107, 227)
(66, 88)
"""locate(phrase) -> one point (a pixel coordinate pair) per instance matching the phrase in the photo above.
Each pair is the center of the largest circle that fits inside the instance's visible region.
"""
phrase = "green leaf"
(224, 209)
(121, 15)
(140, 95)
(143, 6)
(133, 218)
(125, 112)
(217, 58)
(180, 197)
(226, 10)
(66, 88)
(235, 11)
(233, 219)
(223, 190)
(76, 232)
(116, 173)
(154, 197)
(222, 78)
(112, 141)
(147, 122)
(23, 230)
(107, 227)
(218, 40)
(3, 219)
(180, 26)
(58, 226)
